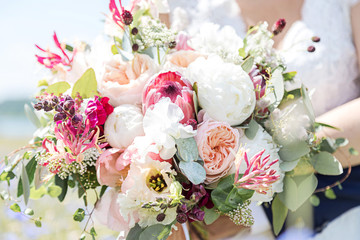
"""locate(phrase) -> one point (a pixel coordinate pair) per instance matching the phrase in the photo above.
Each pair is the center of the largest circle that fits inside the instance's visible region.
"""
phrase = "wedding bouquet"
(169, 128)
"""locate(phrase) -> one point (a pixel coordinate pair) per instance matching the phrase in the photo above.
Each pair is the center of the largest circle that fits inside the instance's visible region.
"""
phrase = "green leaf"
(193, 171)
(25, 184)
(82, 237)
(63, 184)
(7, 176)
(307, 103)
(279, 212)
(37, 193)
(71, 183)
(30, 114)
(156, 232)
(114, 49)
(86, 86)
(69, 48)
(326, 164)
(248, 64)
(330, 194)
(297, 189)
(29, 212)
(315, 200)
(79, 215)
(328, 145)
(353, 151)
(242, 52)
(58, 88)
(318, 124)
(288, 166)
(341, 142)
(252, 129)
(187, 149)
(30, 170)
(210, 215)
(294, 151)
(275, 88)
(134, 233)
(15, 207)
(38, 223)
(54, 191)
(103, 189)
(43, 83)
(93, 233)
(289, 76)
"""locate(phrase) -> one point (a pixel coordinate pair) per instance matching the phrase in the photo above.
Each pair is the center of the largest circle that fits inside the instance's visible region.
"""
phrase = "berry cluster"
(65, 107)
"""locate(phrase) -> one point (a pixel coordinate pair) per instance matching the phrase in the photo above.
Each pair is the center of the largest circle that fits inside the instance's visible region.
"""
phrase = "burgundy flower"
(278, 26)
(98, 111)
(174, 86)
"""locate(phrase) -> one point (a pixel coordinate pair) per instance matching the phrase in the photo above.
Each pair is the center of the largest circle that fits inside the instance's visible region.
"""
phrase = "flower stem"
(158, 54)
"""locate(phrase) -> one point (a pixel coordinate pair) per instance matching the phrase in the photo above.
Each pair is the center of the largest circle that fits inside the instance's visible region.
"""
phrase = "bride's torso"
(331, 70)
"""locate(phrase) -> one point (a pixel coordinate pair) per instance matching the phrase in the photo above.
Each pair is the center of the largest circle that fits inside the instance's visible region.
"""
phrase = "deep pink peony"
(174, 86)
(98, 111)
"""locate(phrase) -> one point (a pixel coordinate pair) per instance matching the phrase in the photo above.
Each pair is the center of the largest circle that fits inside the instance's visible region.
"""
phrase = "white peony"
(162, 125)
(136, 191)
(225, 90)
(223, 42)
(123, 125)
(261, 141)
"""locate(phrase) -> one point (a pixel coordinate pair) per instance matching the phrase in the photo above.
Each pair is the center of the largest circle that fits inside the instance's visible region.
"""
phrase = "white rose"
(261, 141)
(225, 90)
(123, 125)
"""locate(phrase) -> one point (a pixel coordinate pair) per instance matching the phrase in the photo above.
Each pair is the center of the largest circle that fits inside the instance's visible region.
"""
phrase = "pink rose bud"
(174, 86)
(278, 26)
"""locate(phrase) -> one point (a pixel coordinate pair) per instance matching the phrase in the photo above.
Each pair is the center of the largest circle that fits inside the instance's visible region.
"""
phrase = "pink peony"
(217, 144)
(98, 111)
(174, 86)
(112, 168)
(182, 42)
(183, 58)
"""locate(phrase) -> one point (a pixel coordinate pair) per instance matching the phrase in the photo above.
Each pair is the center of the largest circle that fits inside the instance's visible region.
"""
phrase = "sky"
(24, 23)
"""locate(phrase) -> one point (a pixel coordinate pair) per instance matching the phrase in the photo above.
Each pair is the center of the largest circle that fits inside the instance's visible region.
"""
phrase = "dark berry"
(160, 217)
(59, 117)
(172, 44)
(315, 39)
(68, 104)
(181, 218)
(311, 49)
(134, 31)
(38, 106)
(127, 17)
(278, 26)
(76, 119)
(135, 47)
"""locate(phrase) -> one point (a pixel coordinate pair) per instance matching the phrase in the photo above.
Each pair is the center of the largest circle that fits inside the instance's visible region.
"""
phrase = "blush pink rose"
(112, 168)
(174, 86)
(183, 58)
(123, 82)
(217, 143)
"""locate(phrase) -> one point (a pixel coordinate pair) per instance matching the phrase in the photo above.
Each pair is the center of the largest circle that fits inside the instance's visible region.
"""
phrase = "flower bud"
(278, 26)
(135, 47)
(172, 44)
(76, 119)
(181, 218)
(38, 106)
(182, 208)
(127, 17)
(160, 217)
(59, 117)
(55, 99)
(68, 104)
(72, 111)
(315, 39)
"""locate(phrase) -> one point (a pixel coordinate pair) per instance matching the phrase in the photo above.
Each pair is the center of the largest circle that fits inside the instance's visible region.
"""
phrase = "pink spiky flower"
(258, 175)
(52, 60)
(122, 17)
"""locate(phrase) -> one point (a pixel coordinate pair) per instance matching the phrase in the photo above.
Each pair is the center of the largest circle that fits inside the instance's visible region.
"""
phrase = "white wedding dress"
(331, 71)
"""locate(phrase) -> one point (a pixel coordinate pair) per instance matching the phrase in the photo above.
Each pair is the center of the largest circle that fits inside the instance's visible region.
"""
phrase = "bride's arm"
(347, 116)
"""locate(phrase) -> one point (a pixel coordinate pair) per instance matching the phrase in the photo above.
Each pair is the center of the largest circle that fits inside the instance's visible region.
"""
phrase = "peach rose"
(123, 82)
(217, 143)
(183, 58)
(112, 167)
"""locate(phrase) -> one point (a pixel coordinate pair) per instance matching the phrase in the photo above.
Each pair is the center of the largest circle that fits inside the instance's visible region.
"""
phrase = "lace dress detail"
(331, 71)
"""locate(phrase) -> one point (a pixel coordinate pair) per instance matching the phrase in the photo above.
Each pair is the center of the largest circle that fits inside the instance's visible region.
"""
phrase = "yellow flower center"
(157, 182)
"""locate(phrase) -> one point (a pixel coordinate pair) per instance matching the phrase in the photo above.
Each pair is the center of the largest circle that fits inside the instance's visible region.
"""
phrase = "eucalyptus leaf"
(307, 103)
(353, 151)
(79, 215)
(25, 184)
(242, 52)
(58, 88)
(326, 164)
(315, 200)
(29, 212)
(289, 76)
(330, 194)
(54, 191)
(86, 86)
(156, 232)
(288, 166)
(293, 151)
(134, 233)
(210, 215)
(248, 64)
(275, 88)
(187, 149)
(15, 207)
(279, 213)
(253, 128)
(30, 114)
(37, 193)
(297, 189)
(193, 171)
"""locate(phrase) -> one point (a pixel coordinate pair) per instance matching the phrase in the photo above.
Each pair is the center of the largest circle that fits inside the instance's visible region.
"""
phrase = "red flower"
(98, 111)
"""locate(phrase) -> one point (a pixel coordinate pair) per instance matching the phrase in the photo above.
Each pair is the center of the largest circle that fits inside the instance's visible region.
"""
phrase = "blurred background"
(24, 23)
